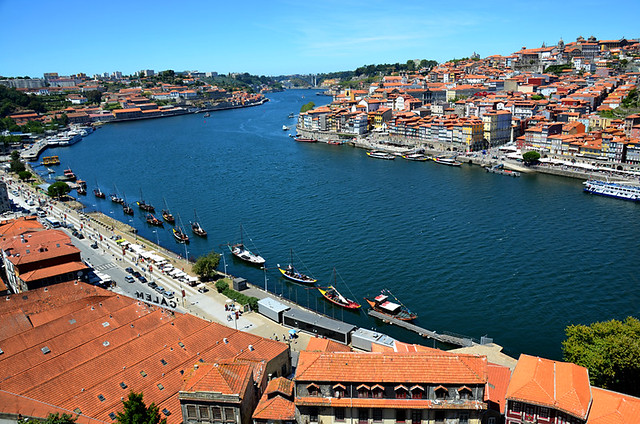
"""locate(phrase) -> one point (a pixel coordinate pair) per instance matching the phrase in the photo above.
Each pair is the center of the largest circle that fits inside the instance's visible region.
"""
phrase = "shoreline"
(372, 142)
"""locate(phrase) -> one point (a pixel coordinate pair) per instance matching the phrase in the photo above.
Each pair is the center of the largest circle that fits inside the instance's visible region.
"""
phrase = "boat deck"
(443, 338)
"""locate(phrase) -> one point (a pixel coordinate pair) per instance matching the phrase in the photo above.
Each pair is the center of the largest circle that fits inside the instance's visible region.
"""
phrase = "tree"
(307, 107)
(205, 266)
(16, 164)
(530, 157)
(25, 175)
(611, 352)
(58, 189)
(136, 412)
(93, 96)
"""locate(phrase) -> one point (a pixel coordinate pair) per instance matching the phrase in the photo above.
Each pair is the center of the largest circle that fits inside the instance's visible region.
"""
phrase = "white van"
(53, 222)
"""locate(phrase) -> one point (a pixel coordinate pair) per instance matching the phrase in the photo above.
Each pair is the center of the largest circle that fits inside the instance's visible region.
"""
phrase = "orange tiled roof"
(23, 225)
(326, 345)
(280, 385)
(226, 378)
(418, 367)
(613, 408)
(559, 385)
(277, 408)
(496, 388)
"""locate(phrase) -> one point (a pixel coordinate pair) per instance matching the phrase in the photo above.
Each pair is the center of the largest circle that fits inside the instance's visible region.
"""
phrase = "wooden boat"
(397, 310)
(82, 187)
(305, 140)
(419, 157)
(291, 273)
(166, 214)
(143, 205)
(152, 220)
(99, 193)
(240, 251)
(51, 160)
(333, 295)
(179, 234)
(128, 210)
(195, 226)
(115, 198)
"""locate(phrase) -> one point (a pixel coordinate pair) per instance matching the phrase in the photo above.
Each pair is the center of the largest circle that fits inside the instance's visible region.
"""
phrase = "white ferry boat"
(378, 154)
(617, 190)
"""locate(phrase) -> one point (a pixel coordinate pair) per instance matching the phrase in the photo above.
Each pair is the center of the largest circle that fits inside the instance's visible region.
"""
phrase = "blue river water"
(517, 259)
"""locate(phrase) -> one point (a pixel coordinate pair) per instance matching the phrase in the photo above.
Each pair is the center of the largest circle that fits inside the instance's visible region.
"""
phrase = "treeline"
(12, 100)
(389, 68)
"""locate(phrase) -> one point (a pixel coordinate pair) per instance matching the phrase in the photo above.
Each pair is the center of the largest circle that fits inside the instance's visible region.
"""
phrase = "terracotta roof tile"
(280, 385)
(613, 408)
(418, 367)
(277, 409)
(554, 384)
(496, 388)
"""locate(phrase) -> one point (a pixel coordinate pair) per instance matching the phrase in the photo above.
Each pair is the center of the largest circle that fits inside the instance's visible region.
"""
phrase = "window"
(464, 418)
(339, 414)
(401, 392)
(465, 392)
(313, 415)
(229, 414)
(363, 415)
(204, 412)
(416, 416)
(401, 415)
(338, 390)
(416, 392)
(191, 411)
(377, 391)
(363, 391)
(440, 415)
(515, 407)
(491, 420)
(441, 392)
(544, 412)
(377, 414)
(313, 390)
(217, 413)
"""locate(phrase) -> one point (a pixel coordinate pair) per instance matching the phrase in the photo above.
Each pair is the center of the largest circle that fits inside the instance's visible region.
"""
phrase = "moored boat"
(240, 251)
(500, 169)
(305, 140)
(446, 161)
(51, 160)
(285, 128)
(152, 220)
(611, 189)
(419, 157)
(166, 213)
(99, 193)
(379, 154)
(397, 310)
(68, 175)
(291, 273)
(333, 295)
(115, 198)
(180, 236)
(128, 210)
(147, 207)
(195, 226)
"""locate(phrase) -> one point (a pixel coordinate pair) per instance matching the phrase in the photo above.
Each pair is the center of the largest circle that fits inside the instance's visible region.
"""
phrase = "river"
(517, 259)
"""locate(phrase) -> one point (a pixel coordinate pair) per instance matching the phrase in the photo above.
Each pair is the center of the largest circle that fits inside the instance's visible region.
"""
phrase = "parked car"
(203, 289)
(142, 279)
(129, 270)
(152, 284)
(160, 289)
(169, 294)
(94, 245)
(136, 274)
(129, 279)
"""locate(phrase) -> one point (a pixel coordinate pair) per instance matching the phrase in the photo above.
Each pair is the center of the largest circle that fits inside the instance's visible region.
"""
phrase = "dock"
(443, 338)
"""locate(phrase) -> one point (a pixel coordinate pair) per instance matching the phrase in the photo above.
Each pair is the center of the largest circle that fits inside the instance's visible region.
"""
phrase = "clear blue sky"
(285, 37)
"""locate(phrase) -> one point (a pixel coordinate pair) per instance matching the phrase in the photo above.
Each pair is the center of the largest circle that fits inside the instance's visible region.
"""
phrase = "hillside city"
(70, 343)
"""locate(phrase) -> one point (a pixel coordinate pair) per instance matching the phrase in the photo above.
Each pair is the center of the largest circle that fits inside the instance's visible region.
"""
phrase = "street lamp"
(157, 241)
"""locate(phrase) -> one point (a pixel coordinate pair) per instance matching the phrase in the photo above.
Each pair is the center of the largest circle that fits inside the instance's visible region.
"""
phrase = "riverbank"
(396, 145)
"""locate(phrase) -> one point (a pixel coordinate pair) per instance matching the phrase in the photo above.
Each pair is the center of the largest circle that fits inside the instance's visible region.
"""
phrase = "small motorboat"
(378, 154)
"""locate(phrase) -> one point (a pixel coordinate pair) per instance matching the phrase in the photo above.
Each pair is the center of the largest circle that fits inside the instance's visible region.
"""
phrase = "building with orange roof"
(76, 347)
(546, 391)
(333, 387)
(276, 405)
(34, 257)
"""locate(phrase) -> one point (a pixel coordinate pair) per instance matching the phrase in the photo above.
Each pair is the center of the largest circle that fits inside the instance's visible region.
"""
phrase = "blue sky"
(285, 37)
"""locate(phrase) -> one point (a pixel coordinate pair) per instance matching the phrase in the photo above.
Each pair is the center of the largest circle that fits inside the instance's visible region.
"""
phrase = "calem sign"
(154, 298)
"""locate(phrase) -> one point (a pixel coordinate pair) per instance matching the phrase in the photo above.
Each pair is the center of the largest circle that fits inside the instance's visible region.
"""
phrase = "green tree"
(25, 175)
(530, 157)
(411, 65)
(16, 164)
(611, 352)
(136, 412)
(205, 266)
(307, 107)
(93, 96)
(58, 189)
